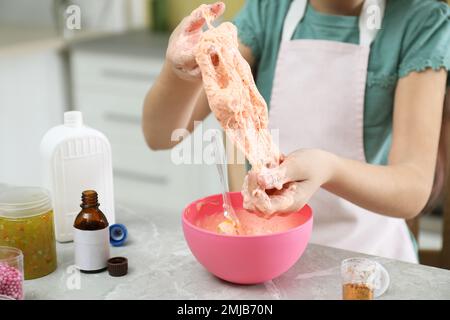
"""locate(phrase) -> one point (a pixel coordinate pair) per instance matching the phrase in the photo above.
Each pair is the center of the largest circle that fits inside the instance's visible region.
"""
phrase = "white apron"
(318, 102)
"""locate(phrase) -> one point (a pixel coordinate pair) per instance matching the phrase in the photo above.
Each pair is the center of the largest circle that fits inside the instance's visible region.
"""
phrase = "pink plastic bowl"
(245, 259)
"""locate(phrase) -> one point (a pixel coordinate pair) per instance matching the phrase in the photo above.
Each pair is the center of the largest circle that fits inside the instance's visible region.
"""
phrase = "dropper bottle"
(91, 235)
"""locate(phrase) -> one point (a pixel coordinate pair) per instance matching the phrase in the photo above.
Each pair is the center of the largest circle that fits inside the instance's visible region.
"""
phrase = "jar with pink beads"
(11, 274)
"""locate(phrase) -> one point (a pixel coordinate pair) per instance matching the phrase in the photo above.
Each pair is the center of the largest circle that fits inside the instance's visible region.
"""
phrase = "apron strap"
(370, 20)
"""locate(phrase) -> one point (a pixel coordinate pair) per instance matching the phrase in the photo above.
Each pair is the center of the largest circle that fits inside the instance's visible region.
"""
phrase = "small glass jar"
(363, 279)
(11, 271)
(26, 223)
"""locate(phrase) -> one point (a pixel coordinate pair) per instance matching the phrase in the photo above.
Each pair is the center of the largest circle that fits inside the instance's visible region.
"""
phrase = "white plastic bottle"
(76, 158)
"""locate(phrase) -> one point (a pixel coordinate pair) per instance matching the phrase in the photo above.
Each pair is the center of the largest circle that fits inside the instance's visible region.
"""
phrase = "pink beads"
(11, 282)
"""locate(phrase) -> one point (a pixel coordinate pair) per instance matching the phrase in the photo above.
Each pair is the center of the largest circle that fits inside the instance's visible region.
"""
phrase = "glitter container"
(363, 279)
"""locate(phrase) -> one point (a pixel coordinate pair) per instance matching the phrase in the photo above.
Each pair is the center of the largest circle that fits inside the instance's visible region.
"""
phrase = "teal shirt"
(415, 35)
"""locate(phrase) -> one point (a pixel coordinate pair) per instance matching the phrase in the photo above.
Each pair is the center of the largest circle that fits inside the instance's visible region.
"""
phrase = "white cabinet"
(31, 102)
(109, 89)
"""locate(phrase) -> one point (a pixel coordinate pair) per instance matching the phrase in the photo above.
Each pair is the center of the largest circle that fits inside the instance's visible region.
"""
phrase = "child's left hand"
(289, 187)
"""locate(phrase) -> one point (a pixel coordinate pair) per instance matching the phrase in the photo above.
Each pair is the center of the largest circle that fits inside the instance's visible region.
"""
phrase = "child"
(358, 107)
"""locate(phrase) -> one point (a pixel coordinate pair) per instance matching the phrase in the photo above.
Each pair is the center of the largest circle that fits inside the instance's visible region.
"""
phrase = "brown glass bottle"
(91, 235)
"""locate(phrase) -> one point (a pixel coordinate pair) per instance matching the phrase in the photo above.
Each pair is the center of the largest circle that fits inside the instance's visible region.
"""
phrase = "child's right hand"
(184, 39)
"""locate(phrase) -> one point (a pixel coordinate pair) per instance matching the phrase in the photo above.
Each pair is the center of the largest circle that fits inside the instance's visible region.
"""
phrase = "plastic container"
(76, 158)
(363, 279)
(26, 223)
(11, 274)
(246, 259)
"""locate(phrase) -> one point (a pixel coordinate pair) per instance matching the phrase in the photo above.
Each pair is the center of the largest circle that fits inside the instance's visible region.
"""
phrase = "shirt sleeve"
(426, 41)
(250, 24)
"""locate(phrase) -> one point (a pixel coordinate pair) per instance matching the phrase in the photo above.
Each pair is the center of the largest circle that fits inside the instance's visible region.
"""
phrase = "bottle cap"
(73, 119)
(117, 234)
(117, 266)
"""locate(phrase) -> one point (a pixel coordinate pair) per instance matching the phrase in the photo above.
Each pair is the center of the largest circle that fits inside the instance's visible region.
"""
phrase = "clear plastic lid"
(24, 202)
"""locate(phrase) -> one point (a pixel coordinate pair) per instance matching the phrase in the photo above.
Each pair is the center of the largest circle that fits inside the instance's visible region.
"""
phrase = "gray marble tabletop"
(162, 267)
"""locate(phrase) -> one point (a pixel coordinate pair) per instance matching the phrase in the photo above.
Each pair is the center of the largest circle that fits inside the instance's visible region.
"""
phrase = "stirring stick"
(220, 157)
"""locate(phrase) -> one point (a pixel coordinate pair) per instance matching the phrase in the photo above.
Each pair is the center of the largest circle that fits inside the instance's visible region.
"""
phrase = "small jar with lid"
(26, 223)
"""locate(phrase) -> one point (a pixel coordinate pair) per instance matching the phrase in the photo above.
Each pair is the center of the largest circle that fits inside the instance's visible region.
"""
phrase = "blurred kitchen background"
(104, 70)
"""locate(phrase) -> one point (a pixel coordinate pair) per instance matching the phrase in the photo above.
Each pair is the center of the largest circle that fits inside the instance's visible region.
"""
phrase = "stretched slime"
(233, 96)
(236, 102)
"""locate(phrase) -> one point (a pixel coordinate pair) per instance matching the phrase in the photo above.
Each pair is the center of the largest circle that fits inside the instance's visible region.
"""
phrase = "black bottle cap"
(118, 266)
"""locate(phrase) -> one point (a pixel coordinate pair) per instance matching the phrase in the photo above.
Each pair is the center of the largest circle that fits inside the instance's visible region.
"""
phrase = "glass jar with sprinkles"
(11, 274)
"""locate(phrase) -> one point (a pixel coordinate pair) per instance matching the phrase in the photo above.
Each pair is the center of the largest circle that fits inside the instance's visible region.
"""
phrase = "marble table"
(162, 267)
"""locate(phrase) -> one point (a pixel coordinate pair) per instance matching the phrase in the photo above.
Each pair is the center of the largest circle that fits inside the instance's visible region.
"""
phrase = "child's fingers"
(272, 178)
(217, 9)
(284, 200)
(301, 193)
(255, 197)
(276, 178)
(262, 203)
(196, 20)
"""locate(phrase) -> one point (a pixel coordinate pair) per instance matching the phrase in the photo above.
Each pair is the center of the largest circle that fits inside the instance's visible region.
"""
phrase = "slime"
(251, 223)
(237, 104)
(233, 96)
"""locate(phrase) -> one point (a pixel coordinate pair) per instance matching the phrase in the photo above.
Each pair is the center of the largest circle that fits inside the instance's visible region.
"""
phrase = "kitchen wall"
(26, 12)
(97, 15)
(31, 101)
(33, 72)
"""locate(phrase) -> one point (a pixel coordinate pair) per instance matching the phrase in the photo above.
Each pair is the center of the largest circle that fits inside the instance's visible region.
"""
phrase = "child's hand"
(289, 187)
(267, 202)
(184, 39)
